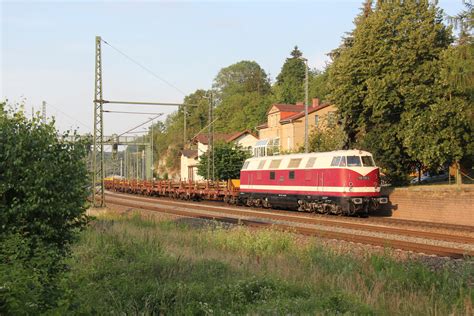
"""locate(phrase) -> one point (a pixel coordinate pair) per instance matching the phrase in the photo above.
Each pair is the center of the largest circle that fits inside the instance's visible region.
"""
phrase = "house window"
(331, 119)
(272, 175)
(316, 120)
(291, 175)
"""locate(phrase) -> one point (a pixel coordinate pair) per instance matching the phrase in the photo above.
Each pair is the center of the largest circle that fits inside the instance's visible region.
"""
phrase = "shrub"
(43, 189)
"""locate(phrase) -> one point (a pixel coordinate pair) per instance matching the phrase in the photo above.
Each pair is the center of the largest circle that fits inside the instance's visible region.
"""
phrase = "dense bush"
(43, 189)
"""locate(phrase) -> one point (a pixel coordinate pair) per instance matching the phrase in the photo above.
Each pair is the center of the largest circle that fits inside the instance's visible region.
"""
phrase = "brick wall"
(444, 204)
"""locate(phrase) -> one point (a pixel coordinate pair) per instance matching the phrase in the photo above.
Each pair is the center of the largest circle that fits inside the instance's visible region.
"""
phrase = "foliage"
(242, 77)
(385, 80)
(175, 268)
(318, 84)
(242, 97)
(289, 86)
(43, 189)
(326, 139)
(240, 112)
(228, 161)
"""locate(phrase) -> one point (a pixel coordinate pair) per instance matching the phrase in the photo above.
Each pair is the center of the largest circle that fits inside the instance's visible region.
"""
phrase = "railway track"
(406, 238)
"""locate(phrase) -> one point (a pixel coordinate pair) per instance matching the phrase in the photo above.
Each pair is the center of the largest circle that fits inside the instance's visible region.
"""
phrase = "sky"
(48, 49)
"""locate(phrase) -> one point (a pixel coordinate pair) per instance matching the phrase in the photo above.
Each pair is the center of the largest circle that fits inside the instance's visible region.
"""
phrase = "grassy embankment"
(135, 265)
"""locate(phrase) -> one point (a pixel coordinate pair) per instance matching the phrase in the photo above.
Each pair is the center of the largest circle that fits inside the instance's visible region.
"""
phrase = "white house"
(190, 157)
(189, 161)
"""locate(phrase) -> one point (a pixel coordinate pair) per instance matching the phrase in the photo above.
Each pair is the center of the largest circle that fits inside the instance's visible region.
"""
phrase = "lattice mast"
(98, 143)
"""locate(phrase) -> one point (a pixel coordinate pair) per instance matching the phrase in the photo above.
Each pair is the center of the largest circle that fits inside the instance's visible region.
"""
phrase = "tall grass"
(134, 265)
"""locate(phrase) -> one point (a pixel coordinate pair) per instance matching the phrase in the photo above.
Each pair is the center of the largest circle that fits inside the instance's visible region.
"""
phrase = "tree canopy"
(386, 82)
(289, 87)
(228, 161)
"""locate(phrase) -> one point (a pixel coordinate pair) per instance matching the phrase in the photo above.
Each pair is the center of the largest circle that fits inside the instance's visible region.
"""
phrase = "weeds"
(132, 265)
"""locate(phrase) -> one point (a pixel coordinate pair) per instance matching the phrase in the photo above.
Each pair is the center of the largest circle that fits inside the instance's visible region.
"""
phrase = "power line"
(129, 112)
(70, 117)
(145, 68)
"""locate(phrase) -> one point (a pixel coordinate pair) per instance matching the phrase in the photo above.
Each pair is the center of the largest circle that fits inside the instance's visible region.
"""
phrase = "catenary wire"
(145, 68)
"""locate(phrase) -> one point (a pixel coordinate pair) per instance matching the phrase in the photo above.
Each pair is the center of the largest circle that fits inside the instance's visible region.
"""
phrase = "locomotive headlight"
(357, 200)
(383, 200)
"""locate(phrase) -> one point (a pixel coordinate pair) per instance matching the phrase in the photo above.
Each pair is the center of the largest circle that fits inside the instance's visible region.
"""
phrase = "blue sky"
(47, 48)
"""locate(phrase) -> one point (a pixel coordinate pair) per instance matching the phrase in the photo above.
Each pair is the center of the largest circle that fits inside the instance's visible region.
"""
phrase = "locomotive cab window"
(246, 164)
(343, 161)
(335, 161)
(291, 175)
(261, 164)
(353, 161)
(272, 175)
(368, 161)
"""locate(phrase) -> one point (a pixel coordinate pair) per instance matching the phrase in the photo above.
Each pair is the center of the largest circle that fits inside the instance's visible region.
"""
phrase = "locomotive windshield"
(353, 161)
(368, 161)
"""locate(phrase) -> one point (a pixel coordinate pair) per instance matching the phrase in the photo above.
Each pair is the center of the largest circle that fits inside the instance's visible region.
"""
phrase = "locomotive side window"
(335, 161)
(353, 161)
(294, 163)
(291, 175)
(343, 161)
(246, 164)
(261, 164)
(272, 175)
(274, 164)
(310, 162)
(368, 161)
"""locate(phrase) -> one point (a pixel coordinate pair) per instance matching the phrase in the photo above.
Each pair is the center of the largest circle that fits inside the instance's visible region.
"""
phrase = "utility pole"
(43, 112)
(152, 162)
(306, 107)
(98, 143)
(184, 127)
(209, 140)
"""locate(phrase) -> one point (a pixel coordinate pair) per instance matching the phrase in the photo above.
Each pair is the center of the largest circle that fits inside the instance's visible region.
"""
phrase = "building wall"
(246, 141)
(440, 203)
(291, 135)
(298, 125)
(184, 171)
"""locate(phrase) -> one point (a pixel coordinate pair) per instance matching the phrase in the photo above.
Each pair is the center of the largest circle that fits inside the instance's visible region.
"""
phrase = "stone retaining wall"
(443, 204)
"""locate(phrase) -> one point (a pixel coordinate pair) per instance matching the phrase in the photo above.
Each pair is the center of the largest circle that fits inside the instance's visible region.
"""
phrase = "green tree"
(242, 77)
(326, 140)
(386, 78)
(242, 97)
(228, 161)
(318, 84)
(289, 87)
(43, 189)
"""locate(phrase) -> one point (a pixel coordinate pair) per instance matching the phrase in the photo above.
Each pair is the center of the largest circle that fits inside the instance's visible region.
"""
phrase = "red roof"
(236, 135)
(296, 116)
(190, 153)
(287, 107)
(262, 126)
(203, 138)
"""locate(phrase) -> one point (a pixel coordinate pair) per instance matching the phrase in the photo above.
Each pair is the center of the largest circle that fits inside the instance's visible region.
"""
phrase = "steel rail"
(376, 241)
(320, 221)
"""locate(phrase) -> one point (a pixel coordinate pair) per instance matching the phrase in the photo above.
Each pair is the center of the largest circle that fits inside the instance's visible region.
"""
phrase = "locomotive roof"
(304, 160)
(351, 152)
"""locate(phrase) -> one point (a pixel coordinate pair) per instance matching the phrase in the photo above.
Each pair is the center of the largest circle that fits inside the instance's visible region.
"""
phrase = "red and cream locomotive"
(338, 182)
